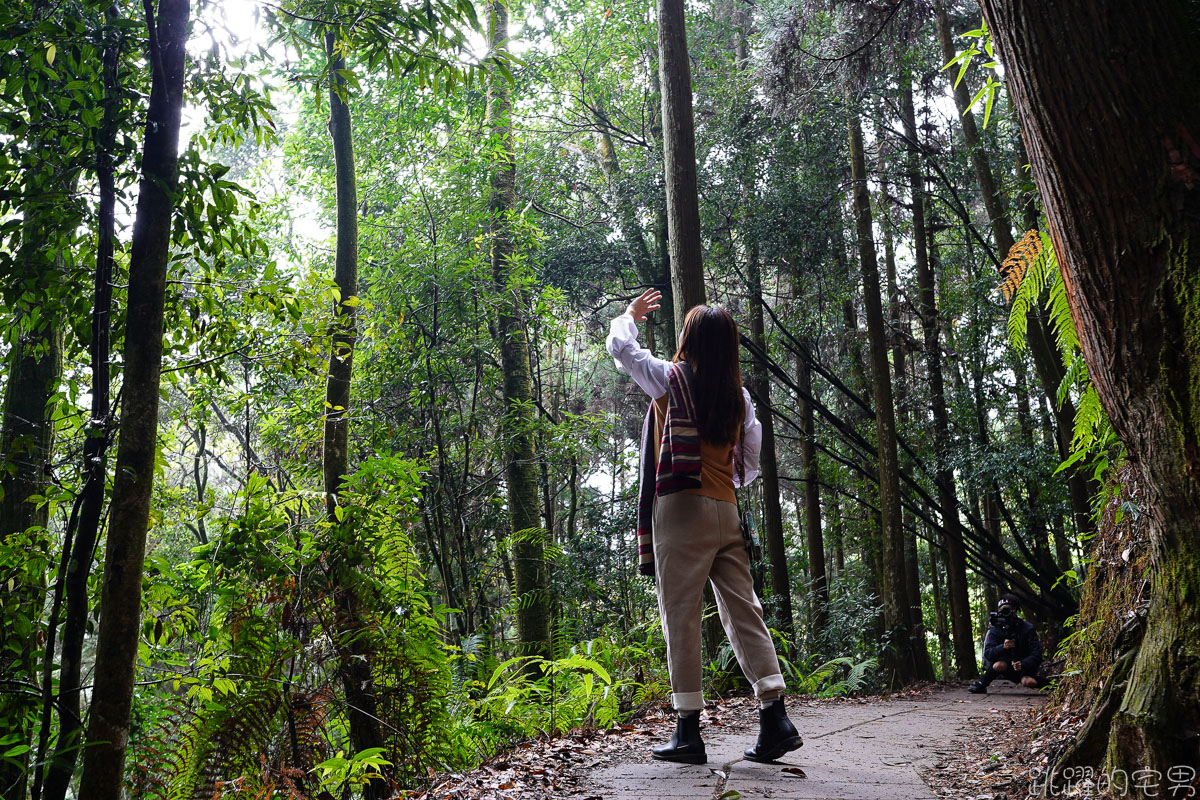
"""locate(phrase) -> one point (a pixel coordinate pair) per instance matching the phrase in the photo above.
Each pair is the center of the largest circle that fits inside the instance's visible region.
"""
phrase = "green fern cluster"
(835, 677)
(1033, 282)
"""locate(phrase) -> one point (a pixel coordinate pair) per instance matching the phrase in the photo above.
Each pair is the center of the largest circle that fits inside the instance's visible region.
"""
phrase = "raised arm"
(648, 372)
(751, 445)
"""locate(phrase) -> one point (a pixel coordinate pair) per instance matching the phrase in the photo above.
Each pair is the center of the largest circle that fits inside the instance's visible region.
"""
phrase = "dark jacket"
(1028, 650)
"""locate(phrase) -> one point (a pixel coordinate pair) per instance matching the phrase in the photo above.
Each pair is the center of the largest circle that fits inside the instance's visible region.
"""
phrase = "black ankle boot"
(776, 734)
(685, 746)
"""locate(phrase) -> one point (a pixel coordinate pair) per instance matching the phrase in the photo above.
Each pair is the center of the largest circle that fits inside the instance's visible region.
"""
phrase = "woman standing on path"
(699, 422)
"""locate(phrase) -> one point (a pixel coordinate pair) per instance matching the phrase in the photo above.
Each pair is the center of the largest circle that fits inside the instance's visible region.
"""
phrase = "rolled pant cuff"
(770, 687)
(687, 701)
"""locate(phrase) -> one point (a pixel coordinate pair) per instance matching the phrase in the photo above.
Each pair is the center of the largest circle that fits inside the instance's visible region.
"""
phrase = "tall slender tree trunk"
(356, 652)
(812, 497)
(521, 469)
(898, 342)
(900, 658)
(630, 228)
(121, 596)
(781, 589)
(951, 531)
(679, 160)
(662, 239)
(1128, 253)
(95, 447)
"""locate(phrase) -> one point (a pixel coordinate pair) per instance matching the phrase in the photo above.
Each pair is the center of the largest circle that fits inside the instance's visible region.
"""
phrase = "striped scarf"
(678, 465)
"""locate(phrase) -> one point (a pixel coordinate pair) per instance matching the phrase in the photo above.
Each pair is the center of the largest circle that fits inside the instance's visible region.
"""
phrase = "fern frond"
(1018, 321)
(1023, 256)
(1089, 416)
(1060, 319)
(1076, 375)
(1026, 269)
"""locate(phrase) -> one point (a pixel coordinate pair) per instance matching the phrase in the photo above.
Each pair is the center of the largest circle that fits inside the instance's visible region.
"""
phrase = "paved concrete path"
(851, 752)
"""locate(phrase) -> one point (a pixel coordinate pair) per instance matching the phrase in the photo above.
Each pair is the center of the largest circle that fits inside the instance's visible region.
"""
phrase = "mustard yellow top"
(716, 461)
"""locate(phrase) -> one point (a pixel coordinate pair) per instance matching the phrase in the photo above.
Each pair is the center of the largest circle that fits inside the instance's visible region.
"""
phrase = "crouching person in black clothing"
(1011, 649)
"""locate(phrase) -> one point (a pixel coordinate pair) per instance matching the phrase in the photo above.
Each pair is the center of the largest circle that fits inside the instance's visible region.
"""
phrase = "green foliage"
(340, 774)
(1033, 281)
(835, 677)
(979, 43)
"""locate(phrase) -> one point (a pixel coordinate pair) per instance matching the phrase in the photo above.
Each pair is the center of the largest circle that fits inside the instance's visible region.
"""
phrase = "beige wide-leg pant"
(697, 538)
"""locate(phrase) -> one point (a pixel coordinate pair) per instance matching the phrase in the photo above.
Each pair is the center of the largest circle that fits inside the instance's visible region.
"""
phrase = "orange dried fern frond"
(1018, 261)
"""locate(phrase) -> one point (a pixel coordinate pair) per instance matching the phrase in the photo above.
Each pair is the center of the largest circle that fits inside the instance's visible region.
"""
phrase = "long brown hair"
(709, 345)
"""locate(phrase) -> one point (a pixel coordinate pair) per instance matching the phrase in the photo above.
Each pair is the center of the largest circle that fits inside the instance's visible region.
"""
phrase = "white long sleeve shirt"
(651, 374)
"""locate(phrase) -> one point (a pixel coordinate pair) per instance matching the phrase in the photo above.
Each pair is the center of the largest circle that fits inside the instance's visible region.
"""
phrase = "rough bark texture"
(1120, 193)
(679, 160)
(951, 531)
(356, 654)
(899, 660)
(121, 597)
(521, 471)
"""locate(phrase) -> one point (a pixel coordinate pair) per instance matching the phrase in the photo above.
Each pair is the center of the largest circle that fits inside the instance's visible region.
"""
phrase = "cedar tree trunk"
(1110, 111)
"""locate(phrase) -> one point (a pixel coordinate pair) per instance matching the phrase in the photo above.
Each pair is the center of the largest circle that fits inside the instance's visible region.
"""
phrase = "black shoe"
(685, 746)
(977, 688)
(776, 734)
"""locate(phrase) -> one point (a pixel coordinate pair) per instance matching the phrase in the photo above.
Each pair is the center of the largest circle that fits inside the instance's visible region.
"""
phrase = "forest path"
(869, 750)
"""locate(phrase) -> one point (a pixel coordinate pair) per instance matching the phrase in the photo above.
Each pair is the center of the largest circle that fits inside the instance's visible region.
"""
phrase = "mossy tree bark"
(121, 597)
(900, 657)
(355, 650)
(521, 470)
(1122, 200)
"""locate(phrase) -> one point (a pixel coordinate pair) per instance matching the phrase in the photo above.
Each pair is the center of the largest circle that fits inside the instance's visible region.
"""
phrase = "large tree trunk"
(121, 597)
(95, 447)
(356, 654)
(1124, 211)
(521, 470)
(951, 532)
(900, 660)
(679, 160)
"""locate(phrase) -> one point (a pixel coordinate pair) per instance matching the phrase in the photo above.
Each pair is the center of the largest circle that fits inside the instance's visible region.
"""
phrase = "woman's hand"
(641, 306)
